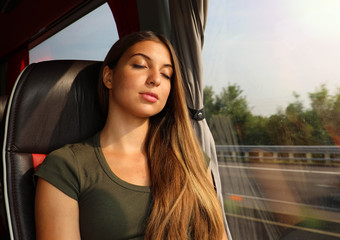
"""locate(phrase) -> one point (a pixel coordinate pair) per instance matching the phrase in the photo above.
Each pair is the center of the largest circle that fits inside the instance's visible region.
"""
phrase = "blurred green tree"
(231, 121)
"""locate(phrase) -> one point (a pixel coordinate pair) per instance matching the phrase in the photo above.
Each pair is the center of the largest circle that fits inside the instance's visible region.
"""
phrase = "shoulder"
(72, 151)
(207, 158)
(67, 157)
(64, 167)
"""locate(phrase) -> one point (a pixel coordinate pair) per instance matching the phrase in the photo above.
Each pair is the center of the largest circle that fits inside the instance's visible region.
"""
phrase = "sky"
(91, 37)
(270, 48)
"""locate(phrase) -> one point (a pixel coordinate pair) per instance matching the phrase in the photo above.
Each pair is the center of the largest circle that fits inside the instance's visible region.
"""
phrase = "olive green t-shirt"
(109, 208)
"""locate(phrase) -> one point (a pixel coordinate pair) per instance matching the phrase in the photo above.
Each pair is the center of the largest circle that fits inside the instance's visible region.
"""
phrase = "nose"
(154, 78)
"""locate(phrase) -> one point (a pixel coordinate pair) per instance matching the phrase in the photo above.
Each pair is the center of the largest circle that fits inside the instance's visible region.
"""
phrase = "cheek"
(167, 90)
(124, 82)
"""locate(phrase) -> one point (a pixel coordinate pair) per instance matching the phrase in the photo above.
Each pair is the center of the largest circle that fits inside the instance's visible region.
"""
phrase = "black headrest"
(53, 103)
(3, 101)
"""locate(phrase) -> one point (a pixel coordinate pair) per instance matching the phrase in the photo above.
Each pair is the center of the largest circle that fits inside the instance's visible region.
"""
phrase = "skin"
(138, 88)
(145, 68)
(56, 214)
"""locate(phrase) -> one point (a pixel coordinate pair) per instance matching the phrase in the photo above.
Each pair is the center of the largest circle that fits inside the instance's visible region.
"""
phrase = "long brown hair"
(185, 204)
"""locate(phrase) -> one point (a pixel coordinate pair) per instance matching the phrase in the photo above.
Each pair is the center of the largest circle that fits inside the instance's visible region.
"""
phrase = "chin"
(149, 113)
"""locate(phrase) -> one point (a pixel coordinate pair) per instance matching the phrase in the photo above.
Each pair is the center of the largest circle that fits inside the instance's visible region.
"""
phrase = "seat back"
(3, 226)
(3, 101)
(52, 104)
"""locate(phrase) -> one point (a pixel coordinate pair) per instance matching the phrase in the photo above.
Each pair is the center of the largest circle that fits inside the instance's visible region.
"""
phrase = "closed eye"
(138, 66)
(166, 76)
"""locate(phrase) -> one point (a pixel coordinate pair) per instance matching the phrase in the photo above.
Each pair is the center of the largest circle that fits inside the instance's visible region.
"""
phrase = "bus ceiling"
(31, 22)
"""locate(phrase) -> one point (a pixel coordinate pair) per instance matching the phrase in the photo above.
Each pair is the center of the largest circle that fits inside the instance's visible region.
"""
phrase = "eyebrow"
(147, 57)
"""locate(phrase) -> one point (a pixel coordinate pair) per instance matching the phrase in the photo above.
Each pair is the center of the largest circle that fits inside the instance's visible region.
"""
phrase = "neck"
(124, 135)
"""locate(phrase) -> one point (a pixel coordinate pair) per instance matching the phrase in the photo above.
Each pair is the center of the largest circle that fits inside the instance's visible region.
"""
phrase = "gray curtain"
(188, 20)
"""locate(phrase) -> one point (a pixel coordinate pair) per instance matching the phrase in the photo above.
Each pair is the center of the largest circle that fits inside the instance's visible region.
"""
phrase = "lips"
(150, 97)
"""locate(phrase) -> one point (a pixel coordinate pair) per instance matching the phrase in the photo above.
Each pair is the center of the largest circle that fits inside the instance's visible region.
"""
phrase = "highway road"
(280, 201)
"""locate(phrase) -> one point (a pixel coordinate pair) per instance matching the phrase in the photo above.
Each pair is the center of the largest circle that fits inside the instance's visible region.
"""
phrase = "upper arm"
(56, 214)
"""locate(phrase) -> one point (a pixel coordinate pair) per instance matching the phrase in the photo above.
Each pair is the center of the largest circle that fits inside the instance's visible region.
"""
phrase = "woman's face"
(140, 83)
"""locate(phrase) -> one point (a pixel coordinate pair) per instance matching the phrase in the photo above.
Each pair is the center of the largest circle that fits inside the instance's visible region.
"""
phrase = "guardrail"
(284, 154)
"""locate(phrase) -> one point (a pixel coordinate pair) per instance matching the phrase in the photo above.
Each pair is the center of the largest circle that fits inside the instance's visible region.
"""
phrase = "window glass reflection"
(272, 102)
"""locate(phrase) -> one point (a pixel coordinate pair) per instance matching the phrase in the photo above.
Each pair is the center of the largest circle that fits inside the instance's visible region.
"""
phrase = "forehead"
(156, 50)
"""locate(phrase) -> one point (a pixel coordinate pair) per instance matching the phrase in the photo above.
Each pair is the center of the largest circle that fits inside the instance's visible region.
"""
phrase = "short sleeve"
(60, 168)
(207, 158)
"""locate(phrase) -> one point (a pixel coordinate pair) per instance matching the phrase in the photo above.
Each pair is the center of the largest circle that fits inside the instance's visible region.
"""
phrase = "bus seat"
(3, 227)
(52, 103)
(3, 101)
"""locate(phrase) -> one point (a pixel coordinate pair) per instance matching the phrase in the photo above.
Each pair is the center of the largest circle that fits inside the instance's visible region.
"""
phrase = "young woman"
(144, 176)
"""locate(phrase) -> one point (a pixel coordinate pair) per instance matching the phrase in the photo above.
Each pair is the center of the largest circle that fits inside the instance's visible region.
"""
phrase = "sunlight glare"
(321, 17)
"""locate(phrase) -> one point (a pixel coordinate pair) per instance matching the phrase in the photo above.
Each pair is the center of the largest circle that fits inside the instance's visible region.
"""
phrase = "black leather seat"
(52, 104)
(3, 101)
(3, 226)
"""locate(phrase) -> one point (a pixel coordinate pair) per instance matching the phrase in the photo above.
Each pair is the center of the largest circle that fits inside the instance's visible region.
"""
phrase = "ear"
(108, 77)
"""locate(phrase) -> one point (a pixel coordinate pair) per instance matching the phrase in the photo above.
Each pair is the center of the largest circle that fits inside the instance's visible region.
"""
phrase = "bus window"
(272, 102)
(89, 38)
